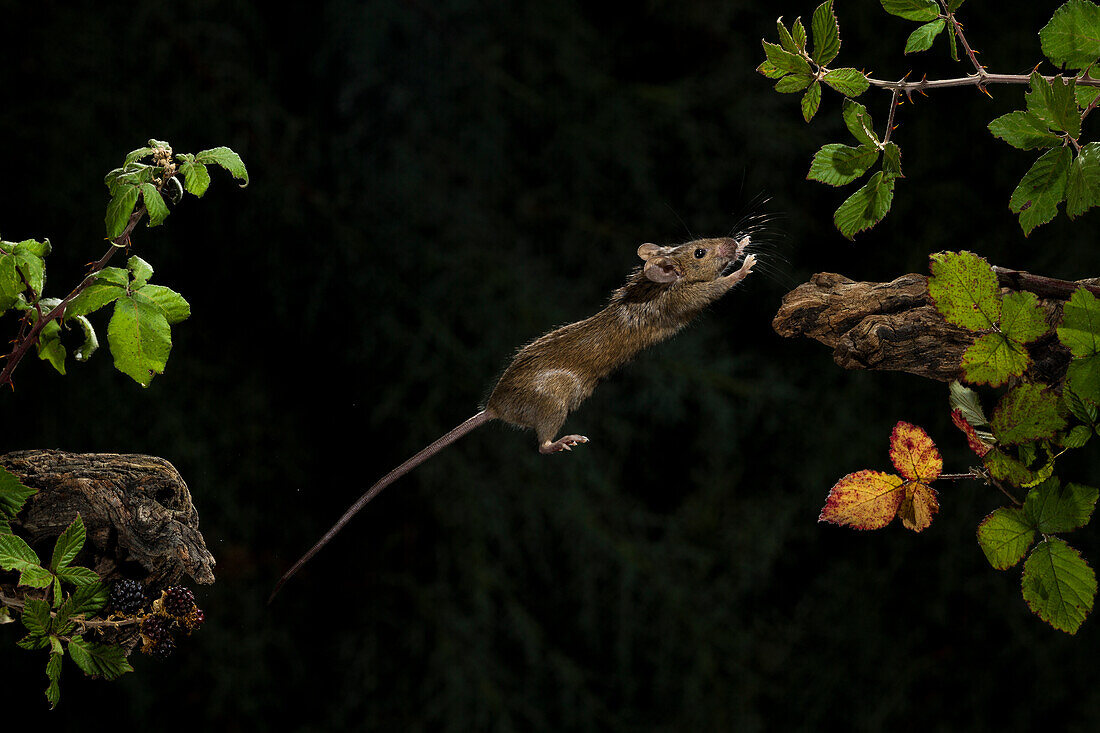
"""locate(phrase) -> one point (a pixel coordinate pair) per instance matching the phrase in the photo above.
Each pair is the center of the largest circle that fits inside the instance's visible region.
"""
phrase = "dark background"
(434, 183)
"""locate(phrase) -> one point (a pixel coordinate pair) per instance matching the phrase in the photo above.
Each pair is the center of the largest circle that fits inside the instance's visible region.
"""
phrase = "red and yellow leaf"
(864, 500)
(972, 438)
(918, 506)
(914, 454)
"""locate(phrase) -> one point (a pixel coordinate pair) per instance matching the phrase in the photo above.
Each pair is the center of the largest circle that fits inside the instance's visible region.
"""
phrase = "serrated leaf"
(139, 337)
(1083, 377)
(849, 82)
(952, 45)
(798, 32)
(5, 526)
(1058, 585)
(1052, 508)
(914, 454)
(866, 207)
(967, 402)
(1004, 537)
(891, 160)
(171, 303)
(785, 38)
(229, 160)
(68, 544)
(767, 68)
(49, 346)
(793, 83)
(825, 32)
(921, 39)
(919, 10)
(36, 616)
(1080, 329)
(119, 210)
(1054, 103)
(993, 359)
(99, 660)
(864, 500)
(140, 271)
(154, 204)
(1022, 318)
(1072, 36)
(89, 598)
(954, 5)
(859, 123)
(1085, 94)
(16, 554)
(1004, 467)
(1041, 189)
(811, 100)
(1024, 130)
(965, 290)
(973, 440)
(13, 493)
(196, 177)
(77, 575)
(53, 673)
(918, 506)
(835, 164)
(135, 155)
(1083, 182)
(1083, 410)
(94, 297)
(1026, 413)
(91, 342)
(1077, 436)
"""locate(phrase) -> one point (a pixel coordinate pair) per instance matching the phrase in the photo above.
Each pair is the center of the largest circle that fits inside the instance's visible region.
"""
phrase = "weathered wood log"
(136, 509)
(895, 325)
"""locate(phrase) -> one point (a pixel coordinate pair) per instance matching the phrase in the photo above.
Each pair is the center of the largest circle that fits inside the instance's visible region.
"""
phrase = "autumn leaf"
(914, 454)
(918, 507)
(972, 438)
(864, 500)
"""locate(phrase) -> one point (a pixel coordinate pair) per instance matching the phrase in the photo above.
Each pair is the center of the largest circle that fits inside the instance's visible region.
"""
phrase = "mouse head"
(702, 260)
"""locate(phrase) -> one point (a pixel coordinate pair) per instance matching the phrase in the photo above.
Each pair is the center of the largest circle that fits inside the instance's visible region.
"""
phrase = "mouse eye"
(700, 253)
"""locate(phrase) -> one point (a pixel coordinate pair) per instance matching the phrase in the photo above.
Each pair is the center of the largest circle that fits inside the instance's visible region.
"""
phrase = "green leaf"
(785, 38)
(891, 160)
(1024, 130)
(140, 270)
(197, 178)
(849, 82)
(154, 204)
(866, 207)
(77, 575)
(920, 10)
(811, 101)
(952, 45)
(767, 68)
(27, 258)
(921, 39)
(68, 545)
(89, 598)
(49, 346)
(1077, 437)
(1041, 189)
(91, 342)
(1083, 377)
(15, 554)
(837, 164)
(798, 32)
(1084, 411)
(1051, 507)
(993, 359)
(140, 338)
(965, 290)
(1086, 94)
(1083, 183)
(99, 660)
(966, 401)
(954, 5)
(36, 616)
(1080, 329)
(135, 155)
(171, 303)
(785, 60)
(5, 528)
(858, 122)
(1026, 413)
(232, 162)
(793, 83)
(1058, 585)
(1004, 537)
(826, 34)
(1055, 103)
(53, 672)
(1022, 318)
(1072, 37)
(94, 297)
(119, 210)
(13, 493)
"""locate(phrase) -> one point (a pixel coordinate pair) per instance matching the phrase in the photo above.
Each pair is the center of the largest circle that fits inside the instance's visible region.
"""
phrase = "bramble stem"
(972, 80)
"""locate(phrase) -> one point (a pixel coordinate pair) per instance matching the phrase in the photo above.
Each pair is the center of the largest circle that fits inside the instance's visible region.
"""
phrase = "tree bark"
(895, 325)
(137, 512)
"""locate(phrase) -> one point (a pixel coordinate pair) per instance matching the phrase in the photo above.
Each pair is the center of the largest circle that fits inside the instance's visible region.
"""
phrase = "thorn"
(986, 91)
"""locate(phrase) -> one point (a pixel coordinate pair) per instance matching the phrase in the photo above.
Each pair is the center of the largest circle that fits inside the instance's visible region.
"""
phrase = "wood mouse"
(551, 376)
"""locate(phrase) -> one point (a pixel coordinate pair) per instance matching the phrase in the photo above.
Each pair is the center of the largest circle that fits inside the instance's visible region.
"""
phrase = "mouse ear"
(661, 270)
(648, 250)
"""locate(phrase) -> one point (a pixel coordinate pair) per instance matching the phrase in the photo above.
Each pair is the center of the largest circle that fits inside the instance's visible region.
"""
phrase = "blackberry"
(194, 620)
(127, 596)
(164, 649)
(178, 601)
(155, 630)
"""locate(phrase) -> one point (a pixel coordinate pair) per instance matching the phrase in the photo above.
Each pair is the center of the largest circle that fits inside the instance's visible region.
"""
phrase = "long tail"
(474, 422)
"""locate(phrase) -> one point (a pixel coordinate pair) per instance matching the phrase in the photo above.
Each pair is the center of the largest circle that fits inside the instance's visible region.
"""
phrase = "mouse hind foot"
(563, 443)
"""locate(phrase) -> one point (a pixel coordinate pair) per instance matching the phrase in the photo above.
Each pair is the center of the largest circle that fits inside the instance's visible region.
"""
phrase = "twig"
(972, 80)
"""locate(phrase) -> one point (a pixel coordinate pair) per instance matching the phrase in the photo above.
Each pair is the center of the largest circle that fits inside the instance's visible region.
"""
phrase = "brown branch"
(972, 80)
